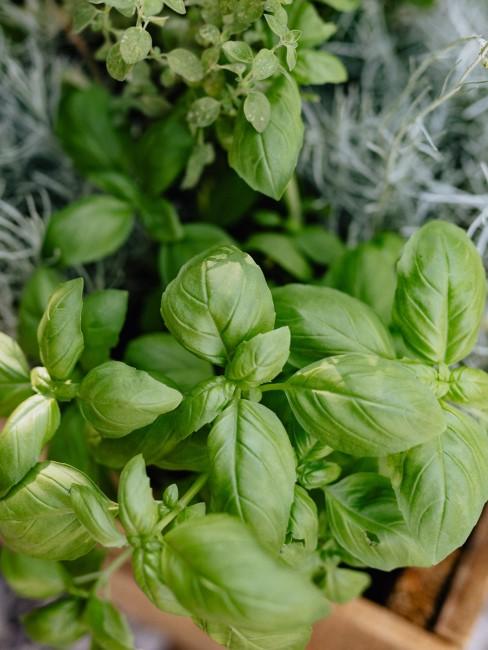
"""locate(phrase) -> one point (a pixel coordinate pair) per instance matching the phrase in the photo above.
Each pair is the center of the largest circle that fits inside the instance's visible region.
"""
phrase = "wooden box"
(362, 624)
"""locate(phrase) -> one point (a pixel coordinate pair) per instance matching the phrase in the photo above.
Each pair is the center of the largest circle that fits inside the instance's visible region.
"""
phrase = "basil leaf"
(117, 399)
(59, 334)
(218, 300)
(319, 245)
(163, 151)
(441, 293)
(252, 469)
(365, 520)
(33, 302)
(92, 511)
(31, 577)
(260, 359)
(102, 320)
(314, 31)
(243, 639)
(304, 523)
(108, 626)
(160, 219)
(14, 375)
(469, 386)
(145, 565)
(343, 585)
(284, 251)
(442, 486)
(324, 322)
(58, 624)
(22, 438)
(36, 517)
(364, 405)
(191, 455)
(220, 573)
(88, 230)
(197, 238)
(342, 5)
(138, 509)
(160, 353)
(317, 67)
(266, 161)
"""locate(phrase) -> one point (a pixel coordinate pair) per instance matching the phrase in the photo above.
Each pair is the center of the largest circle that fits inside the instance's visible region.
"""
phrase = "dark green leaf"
(31, 577)
(283, 250)
(102, 320)
(58, 624)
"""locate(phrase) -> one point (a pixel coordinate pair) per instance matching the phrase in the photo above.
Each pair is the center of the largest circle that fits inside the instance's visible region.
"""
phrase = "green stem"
(294, 206)
(183, 502)
(269, 387)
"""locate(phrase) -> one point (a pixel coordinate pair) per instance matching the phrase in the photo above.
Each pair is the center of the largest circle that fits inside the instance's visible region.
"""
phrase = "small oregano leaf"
(257, 110)
(135, 45)
(186, 64)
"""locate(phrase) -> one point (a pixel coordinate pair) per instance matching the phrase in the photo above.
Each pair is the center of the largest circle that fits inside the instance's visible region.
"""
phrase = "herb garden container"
(442, 603)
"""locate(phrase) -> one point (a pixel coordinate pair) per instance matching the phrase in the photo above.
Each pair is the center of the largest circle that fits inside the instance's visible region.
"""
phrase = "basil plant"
(298, 442)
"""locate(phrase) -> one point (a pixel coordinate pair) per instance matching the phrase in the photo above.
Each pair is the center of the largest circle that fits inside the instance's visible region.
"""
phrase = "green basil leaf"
(190, 455)
(364, 405)
(342, 5)
(23, 436)
(36, 517)
(160, 219)
(218, 300)
(102, 320)
(365, 520)
(255, 590)
(138, 509)
(319, 245)
(283, 250)
(161, 353)
(343, 585)
(14, 375)
(186, 64)
(31, 577)
(197, 238)
(33, 302)
(93, 513)
(59, 333)
(469, 386)
(135, 45)
(442, 485)
(58, 624)
(252, 469)
(441, 292)
(260, 359)
(304, 523)
(324, 322)
(145, 565)
(316, 67)
(243, 639)
(88, 230)
(108, 627)
(305, 17)
(266, 161)
(163, 151)
(117, 399)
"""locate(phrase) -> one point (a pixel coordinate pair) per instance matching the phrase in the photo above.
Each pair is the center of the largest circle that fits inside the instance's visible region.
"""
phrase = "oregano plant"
(297, 440)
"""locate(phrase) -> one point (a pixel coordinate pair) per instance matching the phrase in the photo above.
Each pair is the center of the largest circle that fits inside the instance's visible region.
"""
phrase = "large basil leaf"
(241, 639)
(14, 375)
(304, 523)
(117, 399)
(324, 322)
(161, 354)
(220, 573)
(58, 624)
(197, 238)
(33, 302)
(442, 485)
(145, 565)
(284, 251)
(365, 520)
(305, 17)
(252, 469)
(260, 359)
(37, 518)
(441, 293)
(108, 627)
(138, 509)
(102, 320)
(319, 67)
(469, 386)
(88, 230)
(218, 300)
(59, 334)
(25, 433)
(266, 161)
(364, 405)
(31, 577)
(342, 585)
